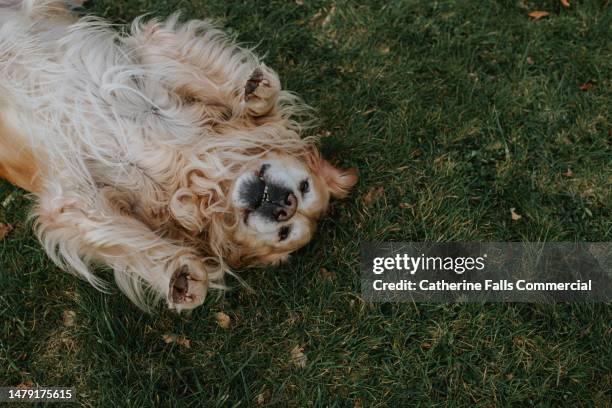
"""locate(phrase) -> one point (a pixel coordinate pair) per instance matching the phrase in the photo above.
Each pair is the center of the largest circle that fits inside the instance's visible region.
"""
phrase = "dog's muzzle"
(269, 199)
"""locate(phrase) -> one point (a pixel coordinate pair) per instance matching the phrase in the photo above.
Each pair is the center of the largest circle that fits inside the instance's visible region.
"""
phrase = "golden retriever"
(164, 151)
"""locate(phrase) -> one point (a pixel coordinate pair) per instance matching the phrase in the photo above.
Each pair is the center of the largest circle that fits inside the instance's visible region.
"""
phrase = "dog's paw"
(261, 91)
(188, 286)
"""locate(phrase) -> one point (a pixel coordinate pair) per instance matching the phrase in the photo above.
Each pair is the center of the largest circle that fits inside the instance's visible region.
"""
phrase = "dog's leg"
(202, 64)
(261, 91)
(74, 234)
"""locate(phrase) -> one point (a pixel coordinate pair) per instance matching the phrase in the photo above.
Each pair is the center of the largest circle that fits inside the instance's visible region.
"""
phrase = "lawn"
(455, 113)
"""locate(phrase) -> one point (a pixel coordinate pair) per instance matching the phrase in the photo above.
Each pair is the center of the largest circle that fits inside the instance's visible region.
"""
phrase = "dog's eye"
(262, 170)
(304, 187)
(283, 233)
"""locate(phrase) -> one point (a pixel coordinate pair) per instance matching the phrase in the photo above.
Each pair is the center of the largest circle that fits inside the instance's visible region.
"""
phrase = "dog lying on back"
(167, 152)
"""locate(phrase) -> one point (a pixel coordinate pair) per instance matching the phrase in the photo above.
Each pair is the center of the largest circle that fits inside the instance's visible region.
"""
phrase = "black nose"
(285, 209)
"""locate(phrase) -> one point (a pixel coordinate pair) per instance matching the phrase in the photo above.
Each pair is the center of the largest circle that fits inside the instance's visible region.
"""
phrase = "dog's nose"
(286, 208)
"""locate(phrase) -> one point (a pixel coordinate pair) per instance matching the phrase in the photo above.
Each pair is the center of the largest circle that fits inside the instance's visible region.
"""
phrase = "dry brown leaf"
(372, 195)
(223, 320)
(536, 15)
(357, 403)
(569, 173)
(426, 346)
(263, 397)
(416, 153)
(384, 49)
(406, 205)
(180, 340)
(68, 317)
(327, 275)
(587, 86)
(25, 384)
(514, 215)
(4, 230)
(298, 357)
(565, 3)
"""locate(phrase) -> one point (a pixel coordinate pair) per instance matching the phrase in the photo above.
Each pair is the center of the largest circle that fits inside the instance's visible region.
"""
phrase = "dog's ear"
(339, 181)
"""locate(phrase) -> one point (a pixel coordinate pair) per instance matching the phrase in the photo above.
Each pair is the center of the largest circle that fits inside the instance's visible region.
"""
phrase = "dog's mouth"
(265, 195)
(267, 198)
(256, 192)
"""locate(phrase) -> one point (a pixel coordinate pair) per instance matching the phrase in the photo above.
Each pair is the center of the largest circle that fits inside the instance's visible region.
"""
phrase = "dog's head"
(277, 201)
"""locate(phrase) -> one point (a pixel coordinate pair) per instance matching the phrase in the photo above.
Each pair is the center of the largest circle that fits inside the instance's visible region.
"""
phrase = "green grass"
(461, 111)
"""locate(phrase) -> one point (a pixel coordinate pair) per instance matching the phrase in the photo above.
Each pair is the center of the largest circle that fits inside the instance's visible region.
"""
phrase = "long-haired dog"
(165, 151)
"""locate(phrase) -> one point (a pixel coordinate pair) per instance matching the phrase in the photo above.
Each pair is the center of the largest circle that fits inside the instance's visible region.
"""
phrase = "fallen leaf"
(406, 205)
(587, 86)
(372, 195)
(569, 173)
(357, 403)
(384, 49)
(68, 318)
(223, 320)
(4, 230)
(426, 346)
(327, 275)
(298, 357)
(263, 397)
(565, 3)
(514, 215)
(180, 340)
(25, 384)
(530, 61)
(536, 15)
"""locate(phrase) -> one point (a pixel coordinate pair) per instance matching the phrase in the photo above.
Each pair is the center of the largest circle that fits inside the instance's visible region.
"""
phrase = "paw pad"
(179, 286)
(261, 91)
(256, 78)
(188, 287)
